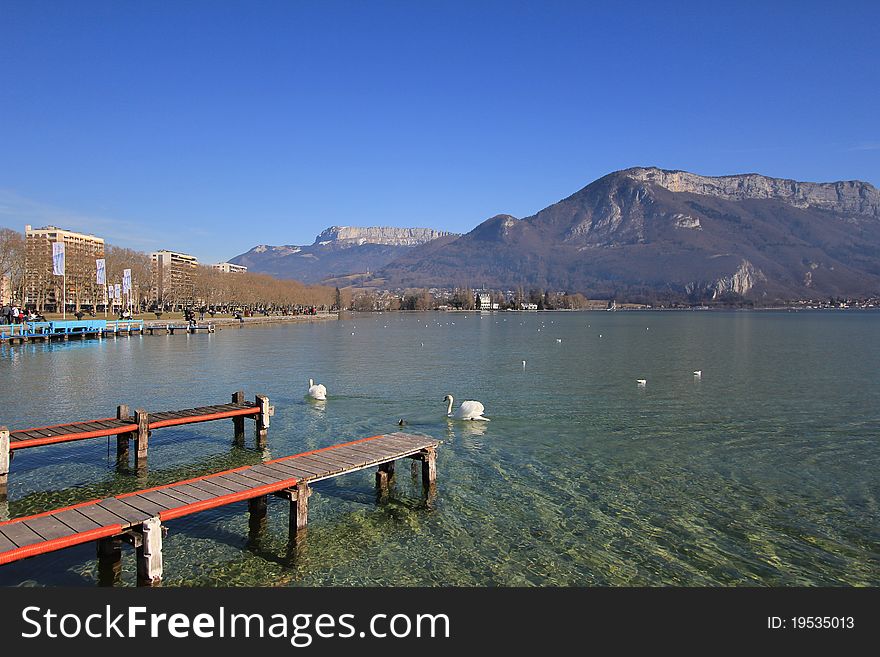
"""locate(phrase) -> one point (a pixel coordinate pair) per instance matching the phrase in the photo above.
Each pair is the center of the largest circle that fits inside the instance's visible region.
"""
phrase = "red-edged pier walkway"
(137, 516)
(137, 427)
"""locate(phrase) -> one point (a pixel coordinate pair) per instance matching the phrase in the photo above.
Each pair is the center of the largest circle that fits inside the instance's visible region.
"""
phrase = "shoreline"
(249, 321)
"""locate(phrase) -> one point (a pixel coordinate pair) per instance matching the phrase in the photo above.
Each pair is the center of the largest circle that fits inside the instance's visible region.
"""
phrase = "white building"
(229, 268)
(172, 277)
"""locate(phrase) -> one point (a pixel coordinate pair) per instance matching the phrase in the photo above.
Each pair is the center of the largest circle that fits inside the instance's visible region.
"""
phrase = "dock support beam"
(238, 422)
(299, 510)
(429, 467)
(384, 475)
(262, 420)
(149, 553)
(5, 458)
(142, 439)
(109, 561)
(122, 413)
(428, 457)
(257, 507)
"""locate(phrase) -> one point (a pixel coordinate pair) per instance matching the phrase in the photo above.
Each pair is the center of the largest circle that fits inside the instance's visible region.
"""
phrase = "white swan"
(469, 410)
(641, 382)
(318, 392)
(698, 374)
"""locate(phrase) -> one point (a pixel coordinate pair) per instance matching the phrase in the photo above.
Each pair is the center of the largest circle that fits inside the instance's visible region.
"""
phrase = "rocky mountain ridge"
(649, 232)
(850, 196)
(352, 235)
(337, 251)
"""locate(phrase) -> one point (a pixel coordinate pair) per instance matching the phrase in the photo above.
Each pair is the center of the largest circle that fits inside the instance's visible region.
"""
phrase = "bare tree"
(12, 261)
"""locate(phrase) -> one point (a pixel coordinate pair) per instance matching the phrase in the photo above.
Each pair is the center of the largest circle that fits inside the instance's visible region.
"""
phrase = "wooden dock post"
(429, 466)
(238, 422)
(142, 418)
(149, 553)
(5, 458)
(384, 475)
(299, 509)
(109, 561)
(257, 509)
(428, 457)
(262, 420)
(122, 413)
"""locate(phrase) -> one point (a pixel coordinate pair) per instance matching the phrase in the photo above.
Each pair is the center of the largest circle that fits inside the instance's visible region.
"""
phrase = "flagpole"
(64, 285)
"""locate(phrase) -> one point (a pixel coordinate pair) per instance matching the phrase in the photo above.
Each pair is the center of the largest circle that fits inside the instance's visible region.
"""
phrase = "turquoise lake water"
(764, 471)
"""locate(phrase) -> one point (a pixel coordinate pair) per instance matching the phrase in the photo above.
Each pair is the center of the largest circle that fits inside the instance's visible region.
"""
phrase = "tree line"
(205, 286)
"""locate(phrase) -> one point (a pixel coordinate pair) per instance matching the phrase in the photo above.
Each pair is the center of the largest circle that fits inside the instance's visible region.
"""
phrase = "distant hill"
(339, 251)
(648, 232)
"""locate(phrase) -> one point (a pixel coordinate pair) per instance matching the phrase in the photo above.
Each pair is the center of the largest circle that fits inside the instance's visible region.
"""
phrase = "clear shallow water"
(764, 472)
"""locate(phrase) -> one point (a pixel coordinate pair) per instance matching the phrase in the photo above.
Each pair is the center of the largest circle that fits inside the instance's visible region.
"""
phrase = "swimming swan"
(318, 392)
(469, 410)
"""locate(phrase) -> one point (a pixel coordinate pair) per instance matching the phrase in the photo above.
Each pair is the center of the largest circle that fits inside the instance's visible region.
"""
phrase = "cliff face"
(848, 197)
(338, 251)
(352, 235)
(652, 233)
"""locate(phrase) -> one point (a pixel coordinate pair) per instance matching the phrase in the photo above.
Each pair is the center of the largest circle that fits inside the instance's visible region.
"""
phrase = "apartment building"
(229, 268)
(173, 278)
(44, 290)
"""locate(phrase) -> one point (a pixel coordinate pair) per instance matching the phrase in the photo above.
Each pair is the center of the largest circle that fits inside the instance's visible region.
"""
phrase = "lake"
(761, 472)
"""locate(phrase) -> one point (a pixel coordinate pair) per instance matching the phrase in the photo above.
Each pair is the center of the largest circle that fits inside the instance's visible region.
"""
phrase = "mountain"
(649, 232)
(339, 251)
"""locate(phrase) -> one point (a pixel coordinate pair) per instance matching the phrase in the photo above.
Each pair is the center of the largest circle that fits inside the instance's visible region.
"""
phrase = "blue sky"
(210, 127)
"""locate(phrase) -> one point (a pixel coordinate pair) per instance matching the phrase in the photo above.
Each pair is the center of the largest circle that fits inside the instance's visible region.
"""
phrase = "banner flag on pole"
(110, 292)
(100, 266)
(118, 293)
(126, 281)
(58, 258)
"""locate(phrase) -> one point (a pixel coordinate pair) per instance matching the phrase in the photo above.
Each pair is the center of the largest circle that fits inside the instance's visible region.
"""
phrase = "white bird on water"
(469, 410)
(698, 374)
(642, 382)
(318, 392)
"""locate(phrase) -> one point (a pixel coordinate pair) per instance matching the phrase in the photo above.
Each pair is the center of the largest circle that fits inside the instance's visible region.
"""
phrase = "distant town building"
(172, 277)
(229, 268)
(528, 306)
(43, 289)
(482, 300)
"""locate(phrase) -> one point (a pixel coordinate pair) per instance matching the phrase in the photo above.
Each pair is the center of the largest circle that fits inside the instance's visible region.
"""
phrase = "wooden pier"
(169, 328)
(69, 329)
(137, 517)
(137, 427)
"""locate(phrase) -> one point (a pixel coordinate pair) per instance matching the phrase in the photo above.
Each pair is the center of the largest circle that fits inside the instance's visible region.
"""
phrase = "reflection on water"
(760, 472)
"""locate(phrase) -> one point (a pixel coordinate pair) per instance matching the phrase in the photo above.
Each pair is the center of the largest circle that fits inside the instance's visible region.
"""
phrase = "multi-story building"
(44, 290)
(173, 278)
(229, 268)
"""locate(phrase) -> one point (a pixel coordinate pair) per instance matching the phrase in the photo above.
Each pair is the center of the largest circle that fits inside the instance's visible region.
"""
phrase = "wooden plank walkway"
(135, 428)
(65, 329)
(143, 510)
(186, 328)
(111, 426)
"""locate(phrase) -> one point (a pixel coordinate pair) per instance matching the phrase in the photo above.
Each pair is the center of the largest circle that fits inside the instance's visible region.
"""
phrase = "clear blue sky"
(210, 127)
